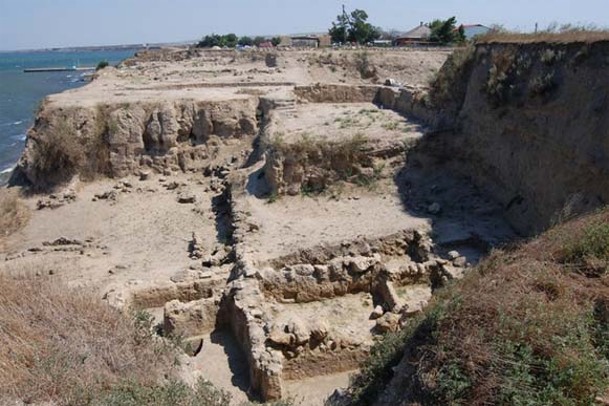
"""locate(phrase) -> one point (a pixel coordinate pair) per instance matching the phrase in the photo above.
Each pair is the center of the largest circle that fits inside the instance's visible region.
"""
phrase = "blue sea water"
(21, 93)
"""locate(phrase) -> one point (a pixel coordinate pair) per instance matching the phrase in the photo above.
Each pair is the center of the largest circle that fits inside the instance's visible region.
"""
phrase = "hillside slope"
(528, 326)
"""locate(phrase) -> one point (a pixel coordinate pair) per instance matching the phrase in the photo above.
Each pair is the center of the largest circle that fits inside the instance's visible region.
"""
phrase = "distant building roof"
(422, 32)
(473, 30)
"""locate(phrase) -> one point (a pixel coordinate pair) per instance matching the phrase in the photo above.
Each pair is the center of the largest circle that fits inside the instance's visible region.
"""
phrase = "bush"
(58, 154)
(101, 65)
(215, 40)
(60, 151)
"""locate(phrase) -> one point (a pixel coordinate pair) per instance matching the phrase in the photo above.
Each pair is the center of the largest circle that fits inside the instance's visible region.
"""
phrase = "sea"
(21, 93)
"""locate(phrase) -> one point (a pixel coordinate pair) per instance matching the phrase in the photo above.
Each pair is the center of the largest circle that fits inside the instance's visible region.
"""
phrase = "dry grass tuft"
(58, 154)
(14, 214)
(63, 346)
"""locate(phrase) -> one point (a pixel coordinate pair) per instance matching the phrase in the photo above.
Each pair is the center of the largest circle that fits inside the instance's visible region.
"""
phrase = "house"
(418, 35)
(474, 30)
(305, 42)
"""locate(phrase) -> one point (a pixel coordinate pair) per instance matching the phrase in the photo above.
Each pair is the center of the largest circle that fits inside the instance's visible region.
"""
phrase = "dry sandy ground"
(340, 121)
(297, 222)
(139, 239)
(225, 75)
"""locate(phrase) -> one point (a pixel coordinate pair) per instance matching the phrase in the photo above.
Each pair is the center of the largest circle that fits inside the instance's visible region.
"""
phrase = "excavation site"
(275, 215)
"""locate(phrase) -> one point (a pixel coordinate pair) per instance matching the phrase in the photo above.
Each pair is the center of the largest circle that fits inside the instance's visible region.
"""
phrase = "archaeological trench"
(297, 214)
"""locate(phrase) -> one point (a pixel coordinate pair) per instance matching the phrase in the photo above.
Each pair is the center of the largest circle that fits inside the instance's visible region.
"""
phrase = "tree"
(101, 65)
(246, 41)
(229, 40)
(339, 30)
(259, 40)
(353, 27)
(215, 40)
(446, 32)
(209, 41)
(276, 41)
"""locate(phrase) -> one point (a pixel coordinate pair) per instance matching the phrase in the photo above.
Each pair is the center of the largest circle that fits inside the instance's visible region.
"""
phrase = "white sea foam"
(18, 122)
(7, 170)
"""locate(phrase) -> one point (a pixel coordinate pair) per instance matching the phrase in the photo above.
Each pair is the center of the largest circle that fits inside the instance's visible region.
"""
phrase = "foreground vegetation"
(528, 326)
(59, 345)
(65, 347)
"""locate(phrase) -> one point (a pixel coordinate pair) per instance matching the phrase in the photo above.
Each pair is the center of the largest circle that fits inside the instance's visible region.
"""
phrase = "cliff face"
(122, 138)
(533, 128)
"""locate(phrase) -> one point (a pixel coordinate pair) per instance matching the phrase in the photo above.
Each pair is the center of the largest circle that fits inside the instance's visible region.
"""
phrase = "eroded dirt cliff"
(532, 127)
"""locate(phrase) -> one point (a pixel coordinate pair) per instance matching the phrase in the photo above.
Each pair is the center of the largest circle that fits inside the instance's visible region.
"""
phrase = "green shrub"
(101, 65)
(590, 251)
(175, 393)
(376, 371)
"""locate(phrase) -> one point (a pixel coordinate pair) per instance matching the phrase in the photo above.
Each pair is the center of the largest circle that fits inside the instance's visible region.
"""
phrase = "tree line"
(231, 41)
(351, 28)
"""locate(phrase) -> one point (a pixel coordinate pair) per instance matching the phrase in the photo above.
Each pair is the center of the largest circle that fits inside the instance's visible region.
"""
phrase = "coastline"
(22, 93)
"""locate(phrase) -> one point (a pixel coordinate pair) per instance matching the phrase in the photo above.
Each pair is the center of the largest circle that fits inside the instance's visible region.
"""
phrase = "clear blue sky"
(26, 24)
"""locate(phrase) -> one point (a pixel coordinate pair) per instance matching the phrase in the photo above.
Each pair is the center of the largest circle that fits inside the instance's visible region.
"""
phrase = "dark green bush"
(101, 65)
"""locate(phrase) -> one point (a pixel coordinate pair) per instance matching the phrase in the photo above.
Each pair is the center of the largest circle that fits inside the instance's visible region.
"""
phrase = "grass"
(273, 197)
(171, 393)
(61, 151)
(590, 253)
(64, 346)
(14, 214)
(58, 154)
(551, 35)
(391, 125)
(528, 326)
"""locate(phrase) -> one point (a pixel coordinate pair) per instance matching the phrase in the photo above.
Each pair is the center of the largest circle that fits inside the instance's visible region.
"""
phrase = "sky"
(34, 24)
